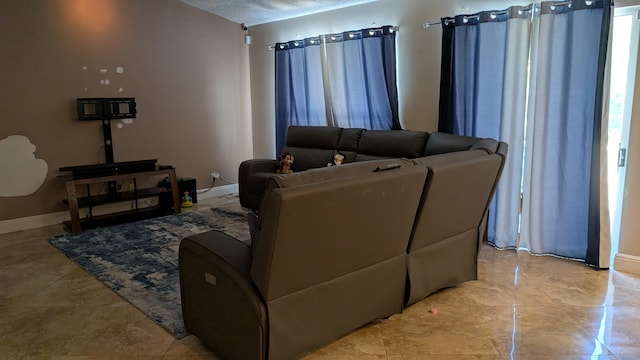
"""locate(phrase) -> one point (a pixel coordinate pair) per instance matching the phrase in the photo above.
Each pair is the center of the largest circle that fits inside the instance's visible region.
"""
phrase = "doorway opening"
(624, 49)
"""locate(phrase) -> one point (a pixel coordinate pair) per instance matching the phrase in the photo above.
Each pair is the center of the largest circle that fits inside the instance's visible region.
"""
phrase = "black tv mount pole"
(106, 109)
(108, 141)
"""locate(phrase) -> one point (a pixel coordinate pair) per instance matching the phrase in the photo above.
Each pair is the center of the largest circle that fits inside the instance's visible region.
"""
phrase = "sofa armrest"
(219, 302)
(253, 166)
(440, 143)
(246, 169)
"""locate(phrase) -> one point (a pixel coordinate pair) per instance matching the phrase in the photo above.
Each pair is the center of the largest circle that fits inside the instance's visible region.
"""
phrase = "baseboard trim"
(217, 191)
(37, 221)
(627, 263)
(33, 222)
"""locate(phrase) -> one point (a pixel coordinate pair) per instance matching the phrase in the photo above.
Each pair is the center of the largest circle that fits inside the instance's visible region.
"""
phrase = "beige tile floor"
(521, 307)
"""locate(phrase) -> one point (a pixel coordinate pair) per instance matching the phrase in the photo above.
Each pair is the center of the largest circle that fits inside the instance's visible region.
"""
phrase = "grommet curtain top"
(514, 12)
(336, 37)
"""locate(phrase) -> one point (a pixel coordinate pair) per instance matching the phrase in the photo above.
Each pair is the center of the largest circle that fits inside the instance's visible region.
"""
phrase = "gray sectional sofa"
(315, 146)
(338, 247)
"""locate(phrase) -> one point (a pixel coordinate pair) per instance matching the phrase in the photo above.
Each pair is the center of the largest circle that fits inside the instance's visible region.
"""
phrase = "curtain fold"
(598, 254)
(447, 77)
(360, 64)
(557, 215)
(389, 59)
(532, 76)
(506, 205)
(298, 86)
(487, 67)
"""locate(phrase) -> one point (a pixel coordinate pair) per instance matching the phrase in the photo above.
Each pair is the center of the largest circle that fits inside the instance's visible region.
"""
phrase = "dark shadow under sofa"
(338, 247)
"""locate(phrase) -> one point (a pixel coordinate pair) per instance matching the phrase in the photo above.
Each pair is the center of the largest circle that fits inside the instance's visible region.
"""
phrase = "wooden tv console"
(74, 202)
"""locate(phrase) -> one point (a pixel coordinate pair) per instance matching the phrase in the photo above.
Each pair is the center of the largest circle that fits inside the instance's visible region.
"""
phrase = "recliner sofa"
(337, 247)
(315, 146)
(329, 257)
(451, 219)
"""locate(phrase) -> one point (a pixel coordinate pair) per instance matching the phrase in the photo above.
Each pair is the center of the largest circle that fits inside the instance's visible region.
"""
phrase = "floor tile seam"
(25, 305)
(53, 283)
(595, 333)
(584, 333)
(166, 351)
(575, 326)
(609, 349)
(121, 352)
(39, 292)
(490, 339)
(573, 332)
(9, 262)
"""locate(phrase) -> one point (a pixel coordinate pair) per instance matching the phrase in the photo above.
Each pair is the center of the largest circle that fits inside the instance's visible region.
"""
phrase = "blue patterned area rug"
(139, 261)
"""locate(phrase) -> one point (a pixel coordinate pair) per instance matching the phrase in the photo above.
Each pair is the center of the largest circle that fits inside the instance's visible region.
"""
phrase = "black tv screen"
(106, 108)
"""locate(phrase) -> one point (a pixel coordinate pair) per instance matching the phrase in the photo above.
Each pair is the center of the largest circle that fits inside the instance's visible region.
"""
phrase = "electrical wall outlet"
(214, 176)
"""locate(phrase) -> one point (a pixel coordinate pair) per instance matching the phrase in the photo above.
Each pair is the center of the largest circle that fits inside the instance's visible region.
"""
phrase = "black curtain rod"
(395, 29)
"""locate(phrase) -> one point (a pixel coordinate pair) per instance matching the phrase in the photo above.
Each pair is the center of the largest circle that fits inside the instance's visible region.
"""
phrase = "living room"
(204, 96)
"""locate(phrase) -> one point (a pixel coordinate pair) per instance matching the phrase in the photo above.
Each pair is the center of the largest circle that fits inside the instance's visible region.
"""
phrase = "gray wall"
(187, 69)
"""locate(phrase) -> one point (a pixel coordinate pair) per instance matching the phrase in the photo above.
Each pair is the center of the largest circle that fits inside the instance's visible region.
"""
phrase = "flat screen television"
(106, 108)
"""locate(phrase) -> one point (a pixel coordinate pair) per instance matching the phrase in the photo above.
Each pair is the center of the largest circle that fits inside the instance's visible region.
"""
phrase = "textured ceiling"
(254, 12)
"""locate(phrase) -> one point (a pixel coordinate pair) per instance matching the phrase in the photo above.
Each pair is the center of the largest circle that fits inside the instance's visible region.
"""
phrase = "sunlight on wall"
(22, 173)
(96, 17)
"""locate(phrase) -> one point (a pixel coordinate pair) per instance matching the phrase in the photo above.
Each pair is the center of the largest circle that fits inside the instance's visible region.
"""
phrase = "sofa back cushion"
(348, 143)
(488, 145)
(440, 143)
(456, 194)
(312, 146)
(325, 223)
(382, 144)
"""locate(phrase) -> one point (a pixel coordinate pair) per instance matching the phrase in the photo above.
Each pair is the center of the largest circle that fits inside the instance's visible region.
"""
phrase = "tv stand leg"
(73, 207)
(175, 191)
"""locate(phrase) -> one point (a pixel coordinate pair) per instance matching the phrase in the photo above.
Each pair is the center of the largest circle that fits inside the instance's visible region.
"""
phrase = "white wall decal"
(22, 173)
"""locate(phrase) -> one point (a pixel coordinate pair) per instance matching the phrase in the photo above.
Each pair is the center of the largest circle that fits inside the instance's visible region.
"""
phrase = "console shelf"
(97, 221)
(75, 202)
(86, 201)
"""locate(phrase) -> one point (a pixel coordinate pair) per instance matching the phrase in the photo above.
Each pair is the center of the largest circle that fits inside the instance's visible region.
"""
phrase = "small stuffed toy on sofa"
(285, 162)
(338, 159)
